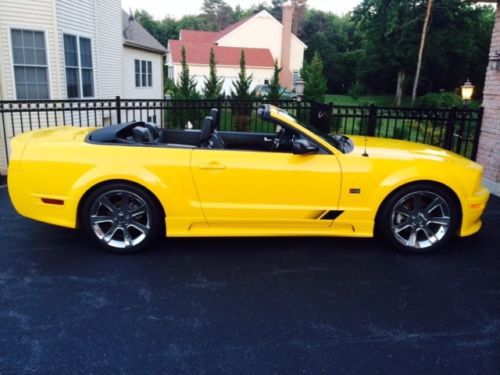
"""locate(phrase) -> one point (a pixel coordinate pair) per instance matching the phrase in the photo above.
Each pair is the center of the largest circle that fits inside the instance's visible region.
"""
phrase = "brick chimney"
(489, 143)
(286, 46)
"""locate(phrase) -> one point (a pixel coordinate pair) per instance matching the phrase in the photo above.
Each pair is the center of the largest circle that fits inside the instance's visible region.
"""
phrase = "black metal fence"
(454, 129)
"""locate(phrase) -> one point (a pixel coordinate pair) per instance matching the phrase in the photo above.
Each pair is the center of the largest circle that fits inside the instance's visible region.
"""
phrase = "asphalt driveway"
(246, 306)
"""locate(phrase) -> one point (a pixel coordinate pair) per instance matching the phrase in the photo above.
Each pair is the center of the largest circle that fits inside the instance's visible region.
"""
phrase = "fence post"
(450, 128)
(219, 109)
(475, 144)
(298, 112)
(372, 120)
(3, 133)
(118, 110)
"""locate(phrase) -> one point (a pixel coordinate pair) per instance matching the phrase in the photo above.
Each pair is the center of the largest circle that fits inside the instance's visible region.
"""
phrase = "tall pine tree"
(241, 87)
(213, 84)
(274, 85)
(241, 90)
(186, 87)
(314, 79)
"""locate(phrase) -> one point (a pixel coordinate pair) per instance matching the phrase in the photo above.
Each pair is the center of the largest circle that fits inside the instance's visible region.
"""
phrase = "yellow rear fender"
(138, 176)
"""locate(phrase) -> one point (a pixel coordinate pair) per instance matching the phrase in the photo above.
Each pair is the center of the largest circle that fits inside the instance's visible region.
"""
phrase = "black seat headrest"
(214, 113)
(206, 130)
(153, 129)
(142, 135)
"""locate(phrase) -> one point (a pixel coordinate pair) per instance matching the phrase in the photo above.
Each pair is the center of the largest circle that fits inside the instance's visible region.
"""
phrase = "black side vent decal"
(331, 215)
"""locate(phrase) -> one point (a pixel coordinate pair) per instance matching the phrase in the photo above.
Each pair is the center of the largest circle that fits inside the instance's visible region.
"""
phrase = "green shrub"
(313, 74)
(168, 86)
(356, 90)
(401, 132)
(439, 100)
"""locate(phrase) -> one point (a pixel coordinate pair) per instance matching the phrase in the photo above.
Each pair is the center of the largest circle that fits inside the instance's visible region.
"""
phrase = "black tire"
(121, 217)
(418, 218)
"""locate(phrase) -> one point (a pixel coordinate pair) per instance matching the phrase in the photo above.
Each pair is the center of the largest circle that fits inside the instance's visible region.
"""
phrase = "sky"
(179, 8)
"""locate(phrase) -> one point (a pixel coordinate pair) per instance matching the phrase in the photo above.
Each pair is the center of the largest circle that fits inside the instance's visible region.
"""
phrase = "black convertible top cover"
(111, 133)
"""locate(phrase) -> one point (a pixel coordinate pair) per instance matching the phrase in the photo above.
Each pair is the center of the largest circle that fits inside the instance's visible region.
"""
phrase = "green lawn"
(381, 100)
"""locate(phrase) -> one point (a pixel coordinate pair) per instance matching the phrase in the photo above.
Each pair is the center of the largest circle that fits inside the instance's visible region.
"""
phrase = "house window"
(87, 71)
(30, 64)
(143, 73)
(137, 73)
(150, 73)
(79, 70)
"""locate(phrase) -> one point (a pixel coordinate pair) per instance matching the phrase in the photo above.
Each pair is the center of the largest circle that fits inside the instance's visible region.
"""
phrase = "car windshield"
(339, 141)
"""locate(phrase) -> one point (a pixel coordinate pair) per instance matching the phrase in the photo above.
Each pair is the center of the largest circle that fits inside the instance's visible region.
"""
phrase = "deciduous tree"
(218, 12)
(390, 39)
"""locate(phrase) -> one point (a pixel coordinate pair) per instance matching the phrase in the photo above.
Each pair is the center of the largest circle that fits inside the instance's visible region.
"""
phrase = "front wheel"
(419, 218)
(121, 217)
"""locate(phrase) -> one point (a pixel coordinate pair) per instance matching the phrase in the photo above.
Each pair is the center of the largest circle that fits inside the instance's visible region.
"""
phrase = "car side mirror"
(304, 146)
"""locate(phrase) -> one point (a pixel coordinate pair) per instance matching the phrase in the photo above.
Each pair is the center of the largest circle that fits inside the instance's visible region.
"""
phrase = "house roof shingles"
(198, 36)
(209, 36)
(198, 44)
(199, 53)
(136, 36)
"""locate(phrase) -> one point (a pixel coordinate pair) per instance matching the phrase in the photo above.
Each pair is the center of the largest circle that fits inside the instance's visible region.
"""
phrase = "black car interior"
(208, 137)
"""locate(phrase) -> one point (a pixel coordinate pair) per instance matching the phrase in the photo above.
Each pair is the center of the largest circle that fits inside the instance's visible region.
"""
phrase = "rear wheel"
(419, 218)
(121, 217)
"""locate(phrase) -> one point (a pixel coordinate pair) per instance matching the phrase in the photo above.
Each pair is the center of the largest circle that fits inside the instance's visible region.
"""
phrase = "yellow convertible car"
(126, 184)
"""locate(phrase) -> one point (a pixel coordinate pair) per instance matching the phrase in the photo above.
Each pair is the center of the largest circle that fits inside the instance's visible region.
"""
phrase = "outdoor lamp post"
(299, 88)
(467, 90)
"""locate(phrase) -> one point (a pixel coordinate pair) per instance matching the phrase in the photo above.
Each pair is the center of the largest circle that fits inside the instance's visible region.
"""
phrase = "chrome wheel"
(420, 219)
(120, 219)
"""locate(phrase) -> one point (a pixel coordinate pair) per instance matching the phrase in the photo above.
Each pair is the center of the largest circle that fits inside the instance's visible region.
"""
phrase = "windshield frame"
(331, 140)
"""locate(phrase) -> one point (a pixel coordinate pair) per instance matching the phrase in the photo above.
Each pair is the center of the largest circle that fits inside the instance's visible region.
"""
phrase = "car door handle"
(267, 139)
(211, 165)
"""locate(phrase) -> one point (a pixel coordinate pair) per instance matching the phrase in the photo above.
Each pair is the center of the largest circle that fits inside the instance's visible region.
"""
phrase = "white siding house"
(263, 38)
(67, 49)
(140, 48)
(264, 31)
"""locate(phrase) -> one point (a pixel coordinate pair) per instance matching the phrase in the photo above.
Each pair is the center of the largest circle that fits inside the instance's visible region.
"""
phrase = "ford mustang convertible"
(127, 184)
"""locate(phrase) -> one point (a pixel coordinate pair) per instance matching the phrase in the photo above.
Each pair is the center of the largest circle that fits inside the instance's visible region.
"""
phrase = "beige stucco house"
(263, 38)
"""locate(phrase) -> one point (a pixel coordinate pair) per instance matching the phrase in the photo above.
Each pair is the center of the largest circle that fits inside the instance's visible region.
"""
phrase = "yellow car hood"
(384, 148)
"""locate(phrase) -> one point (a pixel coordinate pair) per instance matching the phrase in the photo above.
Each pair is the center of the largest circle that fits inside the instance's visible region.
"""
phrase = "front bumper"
(472, 209)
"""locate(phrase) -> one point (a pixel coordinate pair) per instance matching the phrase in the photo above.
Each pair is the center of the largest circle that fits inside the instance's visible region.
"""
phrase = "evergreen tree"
(186, 88)
(241, 88)
(213, 84)
(274, 86)
(242, 110)
(314, 79)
